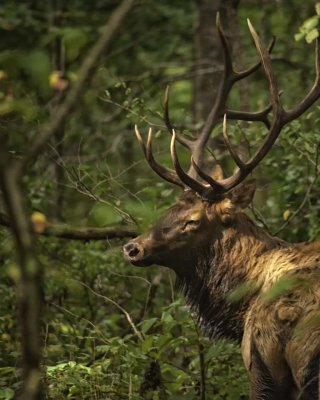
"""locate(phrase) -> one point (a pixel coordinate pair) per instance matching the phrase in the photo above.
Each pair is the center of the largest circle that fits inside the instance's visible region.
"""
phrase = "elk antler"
(280, 117)
(165, 173)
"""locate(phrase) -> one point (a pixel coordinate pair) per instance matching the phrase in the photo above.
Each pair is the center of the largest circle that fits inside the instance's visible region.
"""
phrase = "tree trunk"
(208, 57)
(209, 60)
(28, 282)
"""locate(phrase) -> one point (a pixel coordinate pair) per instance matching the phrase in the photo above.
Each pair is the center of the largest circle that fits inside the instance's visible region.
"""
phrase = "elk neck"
(237, 257)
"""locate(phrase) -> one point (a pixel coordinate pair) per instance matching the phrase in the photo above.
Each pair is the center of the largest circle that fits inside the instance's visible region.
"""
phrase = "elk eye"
(192, 223)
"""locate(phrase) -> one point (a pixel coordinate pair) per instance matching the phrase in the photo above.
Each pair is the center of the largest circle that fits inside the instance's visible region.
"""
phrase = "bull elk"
(214, 248)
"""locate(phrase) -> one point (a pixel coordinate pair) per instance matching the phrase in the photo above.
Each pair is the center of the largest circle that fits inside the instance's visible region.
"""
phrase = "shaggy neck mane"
(222, 267)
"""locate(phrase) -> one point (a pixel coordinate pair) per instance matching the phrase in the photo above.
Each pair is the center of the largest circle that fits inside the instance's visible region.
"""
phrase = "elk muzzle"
(135, 253)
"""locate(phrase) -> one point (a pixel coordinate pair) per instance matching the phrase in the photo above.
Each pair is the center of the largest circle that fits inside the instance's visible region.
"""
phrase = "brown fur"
(215, 249)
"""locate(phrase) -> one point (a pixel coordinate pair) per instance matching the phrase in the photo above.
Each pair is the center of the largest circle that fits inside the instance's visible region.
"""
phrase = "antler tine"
(216, 185)
(280, 117)
(165, 173)
(166, 116)
(243, 74)
(227, 141)
(230, 77)
(236, 75)
(266, 63)
(261, 115)
(185, 178)
(219, 104)
(140, 140)
(225, 46)
(277, 123)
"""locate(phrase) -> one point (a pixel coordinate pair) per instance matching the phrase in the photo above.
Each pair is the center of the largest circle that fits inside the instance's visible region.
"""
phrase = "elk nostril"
(131, 250)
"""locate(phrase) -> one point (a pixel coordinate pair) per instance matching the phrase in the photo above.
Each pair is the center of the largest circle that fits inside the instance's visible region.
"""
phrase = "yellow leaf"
(39, 222)
(57, 82)
(286, 215)
(3, 75)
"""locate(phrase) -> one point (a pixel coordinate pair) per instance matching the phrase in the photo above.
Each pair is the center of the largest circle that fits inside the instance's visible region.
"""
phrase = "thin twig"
(103, 338)
(125, 312)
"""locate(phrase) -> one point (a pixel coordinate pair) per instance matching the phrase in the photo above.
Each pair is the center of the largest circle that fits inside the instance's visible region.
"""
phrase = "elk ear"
(242, 195)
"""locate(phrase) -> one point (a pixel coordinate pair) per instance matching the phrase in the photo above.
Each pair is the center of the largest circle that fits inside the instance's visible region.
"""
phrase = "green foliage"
(283, 286)
(309, 30)
(91, 349)
(242, 291)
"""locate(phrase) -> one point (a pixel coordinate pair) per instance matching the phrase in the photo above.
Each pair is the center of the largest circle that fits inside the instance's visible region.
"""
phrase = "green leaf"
(310, 23)
(73, 390)
(104, 348)
(74, 40)
(147, 324)
(38, 66)
(167, 318)
(282, 286)
(312, 35)
(103, 214)
(6, 394)
(214, 351)
(299, 36)
(241, 291)
(6, 370)
(147, 344)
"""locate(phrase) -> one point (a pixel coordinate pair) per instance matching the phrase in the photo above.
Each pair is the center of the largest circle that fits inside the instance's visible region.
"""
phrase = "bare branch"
(125, 312)
(72, 233)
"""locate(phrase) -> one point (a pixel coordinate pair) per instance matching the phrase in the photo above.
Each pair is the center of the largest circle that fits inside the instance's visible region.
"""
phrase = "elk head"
(187, 228)
(210, 205)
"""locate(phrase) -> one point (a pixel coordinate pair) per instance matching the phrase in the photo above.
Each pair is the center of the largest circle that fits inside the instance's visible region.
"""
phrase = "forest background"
(75, 77)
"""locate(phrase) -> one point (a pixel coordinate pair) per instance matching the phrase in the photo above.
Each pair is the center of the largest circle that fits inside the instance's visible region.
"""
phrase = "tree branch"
(86, 234)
